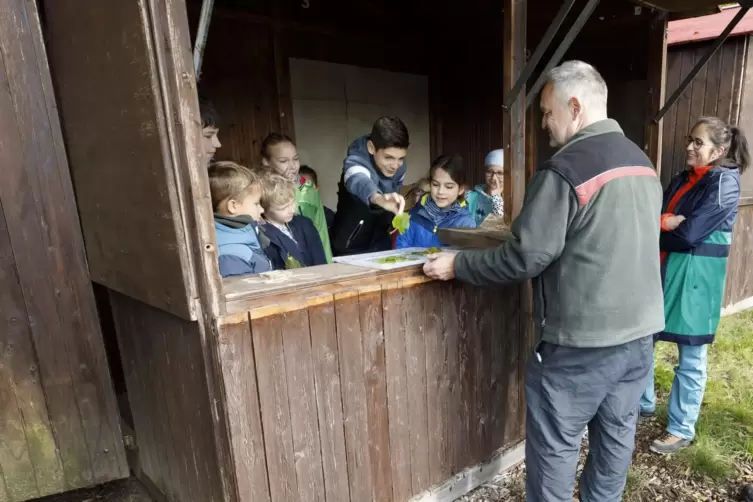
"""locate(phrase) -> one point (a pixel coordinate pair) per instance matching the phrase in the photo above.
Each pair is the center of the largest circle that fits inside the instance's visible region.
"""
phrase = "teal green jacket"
(694, 255)
(479, 203)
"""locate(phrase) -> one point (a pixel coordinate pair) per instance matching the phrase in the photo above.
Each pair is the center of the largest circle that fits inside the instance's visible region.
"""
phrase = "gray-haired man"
(588, 234)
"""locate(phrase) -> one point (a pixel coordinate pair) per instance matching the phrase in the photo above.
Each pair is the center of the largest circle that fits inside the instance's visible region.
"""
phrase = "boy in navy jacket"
(293, 239)
(236, 192)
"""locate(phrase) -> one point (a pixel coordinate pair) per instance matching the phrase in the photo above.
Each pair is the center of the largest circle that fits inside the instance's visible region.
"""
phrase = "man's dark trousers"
(568, 389)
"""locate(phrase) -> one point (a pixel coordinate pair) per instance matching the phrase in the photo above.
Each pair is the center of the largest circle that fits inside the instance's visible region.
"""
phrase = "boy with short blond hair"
(236, 192)
(293, 239)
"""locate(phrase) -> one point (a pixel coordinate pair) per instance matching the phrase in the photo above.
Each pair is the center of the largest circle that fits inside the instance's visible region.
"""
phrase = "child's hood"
(481, 190)
(229, 231)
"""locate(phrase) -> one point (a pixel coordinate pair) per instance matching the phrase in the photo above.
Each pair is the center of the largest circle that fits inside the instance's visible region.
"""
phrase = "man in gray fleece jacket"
(588, 235)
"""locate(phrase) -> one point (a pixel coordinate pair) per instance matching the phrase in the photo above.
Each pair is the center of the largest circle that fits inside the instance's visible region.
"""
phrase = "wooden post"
(657, 64)
(282, 72)
(514, 140)
(513, 120)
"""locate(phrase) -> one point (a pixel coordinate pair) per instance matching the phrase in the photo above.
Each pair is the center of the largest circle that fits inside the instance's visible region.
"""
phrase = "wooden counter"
(346, 383)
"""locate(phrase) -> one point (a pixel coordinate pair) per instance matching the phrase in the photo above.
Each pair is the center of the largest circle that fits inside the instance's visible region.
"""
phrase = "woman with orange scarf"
(699, 211)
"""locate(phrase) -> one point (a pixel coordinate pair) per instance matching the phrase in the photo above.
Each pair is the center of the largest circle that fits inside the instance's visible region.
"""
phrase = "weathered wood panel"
(329, 401)
(465, 98)
(23, 411)
(61, 429)
(721, 90)
(119, 137)
(304, 420)
(168, 393)
(739, 276)
(373, 394)
(239, 366)
(275, 408)
(397, 391)
(715, 91)
(355, 413)
(656, 76)
(375, 380)
(746, 116)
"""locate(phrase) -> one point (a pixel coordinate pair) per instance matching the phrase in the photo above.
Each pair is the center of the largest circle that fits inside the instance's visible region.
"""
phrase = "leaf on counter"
(291, 262)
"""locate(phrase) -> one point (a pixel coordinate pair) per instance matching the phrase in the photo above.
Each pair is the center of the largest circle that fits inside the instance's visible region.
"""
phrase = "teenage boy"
(369, 189)
(210, 126)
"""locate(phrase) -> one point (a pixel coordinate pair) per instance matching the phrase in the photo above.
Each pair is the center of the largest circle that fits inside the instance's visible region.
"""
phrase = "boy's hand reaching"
(393, 202)
(441, 266)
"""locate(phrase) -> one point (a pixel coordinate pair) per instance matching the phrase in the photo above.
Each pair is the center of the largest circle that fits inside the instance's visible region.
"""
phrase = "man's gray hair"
(576, 79)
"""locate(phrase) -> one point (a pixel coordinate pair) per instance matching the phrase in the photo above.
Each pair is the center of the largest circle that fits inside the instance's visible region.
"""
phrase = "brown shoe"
(668, 444)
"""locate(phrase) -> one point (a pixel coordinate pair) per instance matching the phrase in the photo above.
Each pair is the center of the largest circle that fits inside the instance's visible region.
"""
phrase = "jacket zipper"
(354, 233)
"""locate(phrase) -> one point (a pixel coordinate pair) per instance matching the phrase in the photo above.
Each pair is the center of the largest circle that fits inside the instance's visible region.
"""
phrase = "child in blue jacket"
(236, 192)
(293, 239)
(442, 207)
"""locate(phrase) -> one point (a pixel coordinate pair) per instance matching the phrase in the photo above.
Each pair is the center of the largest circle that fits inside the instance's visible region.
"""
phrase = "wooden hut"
(723, 88)
(340, 383)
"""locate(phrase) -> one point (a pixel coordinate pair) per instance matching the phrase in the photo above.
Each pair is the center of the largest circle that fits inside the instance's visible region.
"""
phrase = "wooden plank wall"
(720, 89)
(715, 91)
(739, 276)
(246, 74)
(59, 426)
(624, 67)
(465, 93)
(375, 394)
(167, 391)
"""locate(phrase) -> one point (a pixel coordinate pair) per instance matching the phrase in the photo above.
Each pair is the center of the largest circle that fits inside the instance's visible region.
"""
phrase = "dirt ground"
(653, 478)
(126, 490)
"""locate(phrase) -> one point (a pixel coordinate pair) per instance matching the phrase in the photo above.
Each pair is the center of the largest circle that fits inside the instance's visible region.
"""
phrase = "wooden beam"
(513, 120)
(697, 29)
(657, 69)
(468, 479)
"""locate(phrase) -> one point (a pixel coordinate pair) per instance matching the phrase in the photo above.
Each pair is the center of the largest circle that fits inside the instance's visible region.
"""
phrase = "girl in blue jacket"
(442, 207)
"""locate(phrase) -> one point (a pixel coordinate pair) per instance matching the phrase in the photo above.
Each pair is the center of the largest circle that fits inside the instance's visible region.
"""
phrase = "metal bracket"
(536, 57)
(562, 49)
(745, 7)
(201, 35)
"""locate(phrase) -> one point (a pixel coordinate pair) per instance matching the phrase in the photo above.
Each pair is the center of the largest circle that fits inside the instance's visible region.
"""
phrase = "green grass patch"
(724, 433)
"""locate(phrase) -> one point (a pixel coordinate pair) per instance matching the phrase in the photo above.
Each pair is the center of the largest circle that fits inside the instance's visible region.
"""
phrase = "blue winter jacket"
(422, 231)
(306, 248)
(238, 247)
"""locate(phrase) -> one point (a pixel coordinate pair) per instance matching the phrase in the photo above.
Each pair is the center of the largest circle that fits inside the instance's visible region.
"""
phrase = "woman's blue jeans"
(687, 391)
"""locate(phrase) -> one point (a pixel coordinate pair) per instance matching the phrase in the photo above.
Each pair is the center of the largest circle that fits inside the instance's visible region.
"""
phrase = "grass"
(724, 433)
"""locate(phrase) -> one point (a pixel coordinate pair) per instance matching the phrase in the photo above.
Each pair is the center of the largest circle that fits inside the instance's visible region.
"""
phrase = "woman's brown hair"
(729, 137)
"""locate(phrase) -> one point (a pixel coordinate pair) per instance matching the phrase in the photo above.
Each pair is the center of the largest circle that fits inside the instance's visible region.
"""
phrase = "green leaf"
(401, 222)
(291, 262)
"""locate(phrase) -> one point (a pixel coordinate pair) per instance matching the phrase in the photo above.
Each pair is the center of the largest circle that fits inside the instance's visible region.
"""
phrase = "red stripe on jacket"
(587, 190)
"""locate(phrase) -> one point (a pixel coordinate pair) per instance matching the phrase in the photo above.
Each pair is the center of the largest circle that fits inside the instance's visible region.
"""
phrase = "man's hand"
(672, 222)
(393, 202)
(441, 266)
